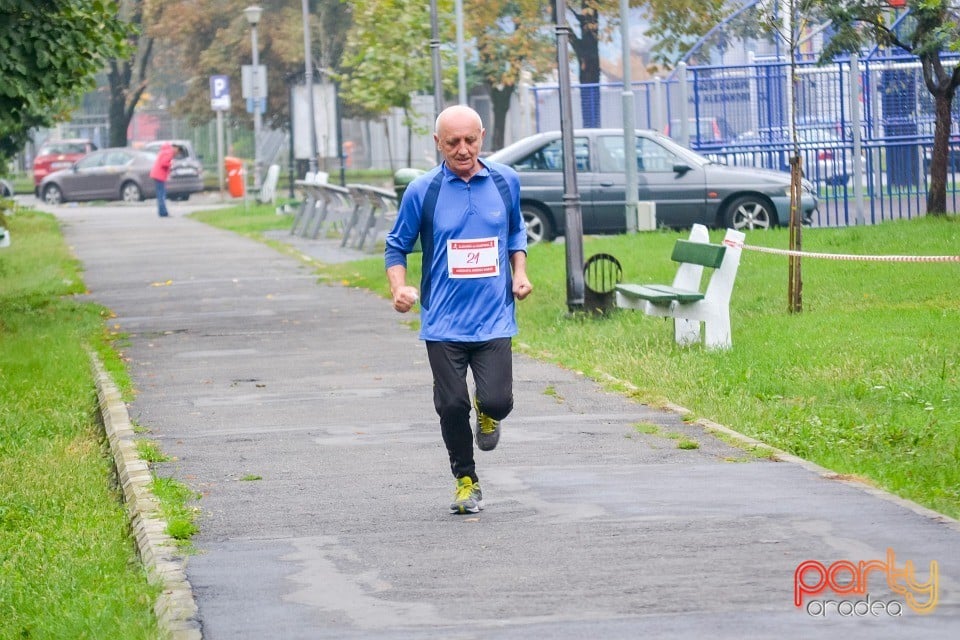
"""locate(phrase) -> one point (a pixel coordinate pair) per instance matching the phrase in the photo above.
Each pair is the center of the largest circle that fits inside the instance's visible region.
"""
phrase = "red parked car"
(59, 154)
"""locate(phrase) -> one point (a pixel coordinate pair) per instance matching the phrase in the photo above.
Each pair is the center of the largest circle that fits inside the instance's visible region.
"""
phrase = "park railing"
(864, 127)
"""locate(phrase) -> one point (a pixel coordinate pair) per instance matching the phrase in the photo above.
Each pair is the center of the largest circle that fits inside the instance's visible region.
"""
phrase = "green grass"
(647, 428)
(251, 220)
(68, 567)
(150, 452)
(865, 381)
(175, 498)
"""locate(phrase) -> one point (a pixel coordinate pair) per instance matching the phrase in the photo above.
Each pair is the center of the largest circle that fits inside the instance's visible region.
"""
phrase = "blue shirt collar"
(450, 175)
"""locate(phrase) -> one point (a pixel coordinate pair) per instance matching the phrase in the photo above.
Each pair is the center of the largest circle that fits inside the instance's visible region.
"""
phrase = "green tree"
(929, 31)
(677, 25)
(49, 53)
(388, 58)
(202, 39)
(512, 36)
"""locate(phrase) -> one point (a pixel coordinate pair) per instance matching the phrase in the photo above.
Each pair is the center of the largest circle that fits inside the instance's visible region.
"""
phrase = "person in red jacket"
(161, 173)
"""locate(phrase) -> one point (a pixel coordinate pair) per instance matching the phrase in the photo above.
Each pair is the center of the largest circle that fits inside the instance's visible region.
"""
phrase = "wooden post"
(795, 285)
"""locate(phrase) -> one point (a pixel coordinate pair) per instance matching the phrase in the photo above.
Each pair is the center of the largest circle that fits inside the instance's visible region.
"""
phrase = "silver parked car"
(116, 173)
(686, 187)
(186, 172)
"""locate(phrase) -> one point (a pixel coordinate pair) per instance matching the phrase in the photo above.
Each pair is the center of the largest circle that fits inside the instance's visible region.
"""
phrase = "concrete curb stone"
(176, 609)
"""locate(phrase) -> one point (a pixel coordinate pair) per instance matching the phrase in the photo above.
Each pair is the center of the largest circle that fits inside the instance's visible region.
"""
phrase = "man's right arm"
(404, 296)
(399, 243)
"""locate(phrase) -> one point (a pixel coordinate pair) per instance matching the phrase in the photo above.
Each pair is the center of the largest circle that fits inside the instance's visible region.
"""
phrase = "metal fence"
(864, 127)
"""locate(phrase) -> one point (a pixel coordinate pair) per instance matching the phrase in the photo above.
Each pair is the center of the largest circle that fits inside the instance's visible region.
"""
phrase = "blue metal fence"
(864, 127)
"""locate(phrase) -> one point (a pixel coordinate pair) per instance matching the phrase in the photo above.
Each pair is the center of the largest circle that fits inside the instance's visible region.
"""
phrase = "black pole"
(571, 197)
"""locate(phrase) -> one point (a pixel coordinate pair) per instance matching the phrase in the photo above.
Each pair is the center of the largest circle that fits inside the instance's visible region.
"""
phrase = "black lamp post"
(571, 197)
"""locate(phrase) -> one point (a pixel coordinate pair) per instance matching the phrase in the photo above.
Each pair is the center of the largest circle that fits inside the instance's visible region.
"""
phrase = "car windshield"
(685, 154)
(550, 157)
(58, 148)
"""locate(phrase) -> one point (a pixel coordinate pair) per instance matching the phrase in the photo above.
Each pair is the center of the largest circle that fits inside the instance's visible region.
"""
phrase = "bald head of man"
(459, 137)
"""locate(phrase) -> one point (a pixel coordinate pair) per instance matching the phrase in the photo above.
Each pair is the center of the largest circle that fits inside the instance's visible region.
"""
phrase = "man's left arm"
(521, 283)
(517, 237)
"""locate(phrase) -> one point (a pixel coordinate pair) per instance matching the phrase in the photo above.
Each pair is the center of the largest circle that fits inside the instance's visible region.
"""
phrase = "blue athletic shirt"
(463, 309)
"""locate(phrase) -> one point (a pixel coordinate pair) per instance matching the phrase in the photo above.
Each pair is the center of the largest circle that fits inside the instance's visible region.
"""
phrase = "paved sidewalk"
(302, 411)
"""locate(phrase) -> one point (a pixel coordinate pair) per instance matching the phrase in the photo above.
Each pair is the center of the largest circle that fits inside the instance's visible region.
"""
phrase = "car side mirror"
(681, 168)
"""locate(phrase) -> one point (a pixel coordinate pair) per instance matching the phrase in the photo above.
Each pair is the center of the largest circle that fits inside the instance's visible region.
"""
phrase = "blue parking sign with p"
(220, 93)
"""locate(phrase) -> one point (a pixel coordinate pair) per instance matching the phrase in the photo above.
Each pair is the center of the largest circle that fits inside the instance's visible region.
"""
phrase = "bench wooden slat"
(708, 255)
(659, 293)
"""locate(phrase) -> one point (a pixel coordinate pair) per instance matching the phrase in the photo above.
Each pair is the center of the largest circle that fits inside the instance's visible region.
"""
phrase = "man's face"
(459, 139)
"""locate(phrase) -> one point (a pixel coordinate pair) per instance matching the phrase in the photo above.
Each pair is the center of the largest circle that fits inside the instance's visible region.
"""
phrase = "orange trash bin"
(235, 176)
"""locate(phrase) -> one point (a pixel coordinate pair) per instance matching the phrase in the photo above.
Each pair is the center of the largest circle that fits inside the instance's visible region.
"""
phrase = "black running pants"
(492, 365)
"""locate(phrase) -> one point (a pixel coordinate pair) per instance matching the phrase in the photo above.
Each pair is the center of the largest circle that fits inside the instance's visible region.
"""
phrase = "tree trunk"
(119, 77)
(937, 196)
(128, 81)
(501, 104)
(587, 48)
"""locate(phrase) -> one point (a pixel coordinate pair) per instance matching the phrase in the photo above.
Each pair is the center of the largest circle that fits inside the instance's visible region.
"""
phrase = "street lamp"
(252, 14)
(573, 214)
(308, 74)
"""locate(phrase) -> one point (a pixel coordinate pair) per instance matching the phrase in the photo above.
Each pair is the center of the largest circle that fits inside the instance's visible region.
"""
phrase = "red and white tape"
(845, 256)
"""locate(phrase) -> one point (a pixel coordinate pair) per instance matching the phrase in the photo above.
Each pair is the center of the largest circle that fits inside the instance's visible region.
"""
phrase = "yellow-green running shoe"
(467, 498)
(487, 429)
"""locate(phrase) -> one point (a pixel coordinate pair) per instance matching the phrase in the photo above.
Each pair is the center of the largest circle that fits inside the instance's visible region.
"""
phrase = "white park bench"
(684, 300)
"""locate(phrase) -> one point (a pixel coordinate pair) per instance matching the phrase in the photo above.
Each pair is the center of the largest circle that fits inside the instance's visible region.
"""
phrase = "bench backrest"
(704, 254)
(689, 274)
(696, 253)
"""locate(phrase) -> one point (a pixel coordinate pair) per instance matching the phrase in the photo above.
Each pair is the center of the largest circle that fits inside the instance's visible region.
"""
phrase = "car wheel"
(749, 212)
(52, 194)
(539, 226)
(130, 192)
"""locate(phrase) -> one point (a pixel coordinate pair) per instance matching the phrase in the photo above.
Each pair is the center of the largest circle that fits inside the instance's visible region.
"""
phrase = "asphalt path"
(302, 411)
